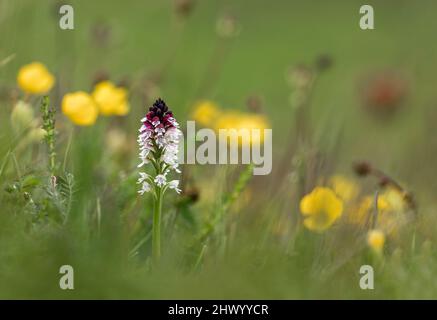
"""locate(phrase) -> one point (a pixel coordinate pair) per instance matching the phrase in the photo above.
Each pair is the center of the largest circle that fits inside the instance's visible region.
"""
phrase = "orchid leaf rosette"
(159, 144)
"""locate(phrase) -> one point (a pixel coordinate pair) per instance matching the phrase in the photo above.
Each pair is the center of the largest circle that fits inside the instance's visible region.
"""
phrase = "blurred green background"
(145, 42)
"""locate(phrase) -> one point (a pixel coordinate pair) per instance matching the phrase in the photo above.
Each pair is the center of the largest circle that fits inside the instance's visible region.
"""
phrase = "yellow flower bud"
(80, 108)
(34, 78)
(376, 240)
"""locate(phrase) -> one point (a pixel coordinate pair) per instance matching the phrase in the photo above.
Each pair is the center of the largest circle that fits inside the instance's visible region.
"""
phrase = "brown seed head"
(362, 168)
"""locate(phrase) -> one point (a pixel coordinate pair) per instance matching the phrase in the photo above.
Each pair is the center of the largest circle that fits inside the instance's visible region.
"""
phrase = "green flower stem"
(48, 116)
(156, 229)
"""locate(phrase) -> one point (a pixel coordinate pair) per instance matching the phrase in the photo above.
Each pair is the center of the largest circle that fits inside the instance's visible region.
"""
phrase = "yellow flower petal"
(206, 112)
(367, 204)
(111, 100)
(244, 123)
(321, 208)
(80, 108)
(344, 187)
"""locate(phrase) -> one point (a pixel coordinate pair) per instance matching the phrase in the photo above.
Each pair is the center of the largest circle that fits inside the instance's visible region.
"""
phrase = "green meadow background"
(134, 41)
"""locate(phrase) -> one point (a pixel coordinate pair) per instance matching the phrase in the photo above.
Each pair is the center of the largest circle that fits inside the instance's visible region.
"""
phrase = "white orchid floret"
(143, 177)
(172, 135)
(159, 131)
(160, 180)
(173, 122)
(145, 187)
(174, 184)
(160, 141)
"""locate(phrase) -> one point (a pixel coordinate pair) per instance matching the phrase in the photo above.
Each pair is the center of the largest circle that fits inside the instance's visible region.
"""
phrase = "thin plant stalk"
(156, 228)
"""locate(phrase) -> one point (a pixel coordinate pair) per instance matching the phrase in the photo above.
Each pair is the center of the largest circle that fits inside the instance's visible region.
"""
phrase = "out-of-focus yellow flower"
(206, 112)
(239, 121)
(344, 187)
(34, 78)
(367, 204)
(111, 100)
(254, 121)
(22, 116)
(228, 120)
(321, 209)
(388, 219)
(80, 108)
(396, 199)
(376, 240)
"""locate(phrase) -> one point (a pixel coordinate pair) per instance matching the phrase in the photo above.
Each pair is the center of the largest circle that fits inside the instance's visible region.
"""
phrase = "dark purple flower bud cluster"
(159, 117)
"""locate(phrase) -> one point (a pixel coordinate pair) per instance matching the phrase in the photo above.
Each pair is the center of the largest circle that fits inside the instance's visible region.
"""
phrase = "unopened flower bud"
(36, 135)
(362, 168)
(22, 116)
(324, 62)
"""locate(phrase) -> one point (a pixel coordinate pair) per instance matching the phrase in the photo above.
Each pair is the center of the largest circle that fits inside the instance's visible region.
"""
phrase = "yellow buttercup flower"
(206, 112)
(344, 187)
(254, 121)
(376, 240)
(80, 108)
(321, 208)
(246, 122)
(111, 100)
(34, 78)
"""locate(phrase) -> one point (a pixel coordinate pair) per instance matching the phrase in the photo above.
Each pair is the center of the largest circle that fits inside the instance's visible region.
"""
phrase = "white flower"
(172, 135)
(143, 177)
(170, 157)
(144, 188)
(160, 180)
(159, 134)
(173, 122)
(160, 131)
(143, 163)
(174, 184)
(160, 141)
